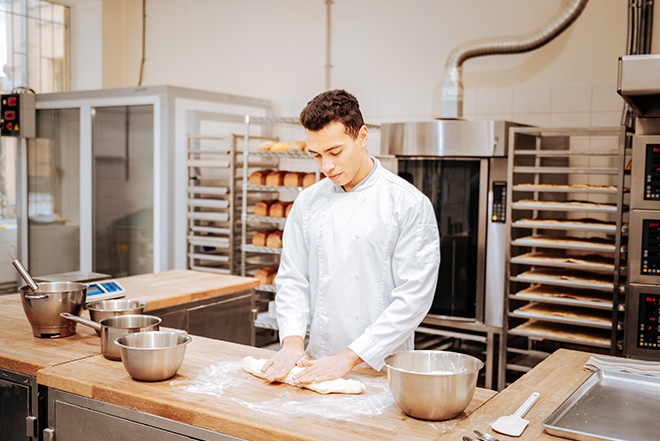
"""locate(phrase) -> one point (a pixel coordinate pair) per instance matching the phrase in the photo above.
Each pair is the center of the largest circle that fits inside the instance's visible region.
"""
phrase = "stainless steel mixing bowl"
(110, 308)
(154, 355)
(43, 307)
(432, 385)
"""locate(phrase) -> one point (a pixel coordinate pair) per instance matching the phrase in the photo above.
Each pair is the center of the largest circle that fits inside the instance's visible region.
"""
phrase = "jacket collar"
(367, 182)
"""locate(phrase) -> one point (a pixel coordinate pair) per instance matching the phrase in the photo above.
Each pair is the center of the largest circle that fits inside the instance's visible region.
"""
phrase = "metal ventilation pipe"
(452, 87)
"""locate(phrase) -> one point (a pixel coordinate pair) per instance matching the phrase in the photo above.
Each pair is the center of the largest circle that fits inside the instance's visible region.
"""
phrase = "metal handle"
(81, 320)
(522, 410)
(23, 271)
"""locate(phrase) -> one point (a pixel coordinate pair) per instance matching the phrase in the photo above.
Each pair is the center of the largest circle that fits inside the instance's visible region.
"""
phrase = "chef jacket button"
(357, 237)
(356, 317)
(357, 277)
(320, 236)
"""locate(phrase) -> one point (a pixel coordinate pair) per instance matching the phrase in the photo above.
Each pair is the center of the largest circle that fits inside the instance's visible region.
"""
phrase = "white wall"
(390, 53)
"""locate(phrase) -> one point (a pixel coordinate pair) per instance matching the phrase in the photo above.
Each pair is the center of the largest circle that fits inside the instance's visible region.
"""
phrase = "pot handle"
(36, 296)
(81, 320)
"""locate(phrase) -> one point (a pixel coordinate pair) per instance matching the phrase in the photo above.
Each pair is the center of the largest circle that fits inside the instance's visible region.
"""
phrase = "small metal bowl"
(432, 385)
(110, 308)
(153, 355)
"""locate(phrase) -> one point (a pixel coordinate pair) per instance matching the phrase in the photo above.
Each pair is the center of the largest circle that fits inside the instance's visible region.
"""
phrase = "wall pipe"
(452, 87)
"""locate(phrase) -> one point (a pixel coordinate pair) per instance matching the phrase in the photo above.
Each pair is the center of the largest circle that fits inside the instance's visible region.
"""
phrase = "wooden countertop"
(175, 287)
(250, 408)
(555, 378)
(21, 352)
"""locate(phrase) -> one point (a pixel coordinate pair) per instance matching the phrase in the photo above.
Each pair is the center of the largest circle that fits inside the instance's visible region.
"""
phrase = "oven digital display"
(499, 202)
(649, 315)
(650, 247)
(652, 175)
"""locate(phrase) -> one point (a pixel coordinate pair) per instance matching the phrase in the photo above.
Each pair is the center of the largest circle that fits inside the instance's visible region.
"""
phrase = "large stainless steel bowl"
(43, 307)
(110, 308)
(432, 385)
(154, 355)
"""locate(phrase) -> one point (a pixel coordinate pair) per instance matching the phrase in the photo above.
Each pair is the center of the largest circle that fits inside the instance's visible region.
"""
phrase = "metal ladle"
(22, 270)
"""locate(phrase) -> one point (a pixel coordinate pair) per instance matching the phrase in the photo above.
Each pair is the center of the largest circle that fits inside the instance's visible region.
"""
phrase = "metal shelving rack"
(211, 205)
(255, 257)
(559, 294)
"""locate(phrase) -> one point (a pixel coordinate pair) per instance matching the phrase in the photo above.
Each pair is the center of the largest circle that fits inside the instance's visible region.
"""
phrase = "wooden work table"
(251, 408)
(23, 353)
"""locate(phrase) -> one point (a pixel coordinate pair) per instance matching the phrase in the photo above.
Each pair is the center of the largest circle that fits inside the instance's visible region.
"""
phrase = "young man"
(360, 254)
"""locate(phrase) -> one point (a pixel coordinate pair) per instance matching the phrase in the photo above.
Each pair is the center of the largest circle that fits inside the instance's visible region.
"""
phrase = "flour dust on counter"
(228, 380)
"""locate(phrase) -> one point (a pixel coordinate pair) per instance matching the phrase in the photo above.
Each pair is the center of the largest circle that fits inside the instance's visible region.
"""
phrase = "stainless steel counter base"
(74, 418)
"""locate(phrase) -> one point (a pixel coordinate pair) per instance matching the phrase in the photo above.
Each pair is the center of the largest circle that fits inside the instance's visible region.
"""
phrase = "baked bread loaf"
(259, 238)
(277, 209)
(262, 208)
(288, 209)
(274, 239)
(275, 178)
(297, 146)
(293, 179)
(258, 177)
(266, 145)
(310, 179)
(279, 147)
(266, 275)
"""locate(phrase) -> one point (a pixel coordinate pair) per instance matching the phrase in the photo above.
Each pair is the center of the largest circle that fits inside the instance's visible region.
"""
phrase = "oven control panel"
(650, 247)
(499, 202)
(17, 115)
(652, 173)
(649, 315)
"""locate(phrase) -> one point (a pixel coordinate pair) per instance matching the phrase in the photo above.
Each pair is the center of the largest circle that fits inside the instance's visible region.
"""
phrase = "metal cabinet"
(228, 318)
(74, 418)
(18, 407)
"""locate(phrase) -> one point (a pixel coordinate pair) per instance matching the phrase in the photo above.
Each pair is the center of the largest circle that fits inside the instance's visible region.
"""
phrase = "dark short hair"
(333, 106)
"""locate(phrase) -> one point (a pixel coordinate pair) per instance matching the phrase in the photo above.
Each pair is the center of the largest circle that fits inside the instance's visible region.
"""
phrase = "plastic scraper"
(513, 425)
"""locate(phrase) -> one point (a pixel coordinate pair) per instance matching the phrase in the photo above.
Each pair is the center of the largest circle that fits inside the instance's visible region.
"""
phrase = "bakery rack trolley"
(254, 257)
(567, 217)
(211, 203)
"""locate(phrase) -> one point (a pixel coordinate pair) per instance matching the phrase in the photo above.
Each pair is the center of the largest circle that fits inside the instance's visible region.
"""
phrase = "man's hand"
(292, 352)
(327, 368)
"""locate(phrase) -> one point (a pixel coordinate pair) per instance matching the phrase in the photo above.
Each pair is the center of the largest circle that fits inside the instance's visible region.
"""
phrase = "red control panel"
(10, 115)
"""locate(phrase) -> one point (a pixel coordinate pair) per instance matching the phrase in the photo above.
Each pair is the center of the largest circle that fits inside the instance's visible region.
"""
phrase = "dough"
(253, 366)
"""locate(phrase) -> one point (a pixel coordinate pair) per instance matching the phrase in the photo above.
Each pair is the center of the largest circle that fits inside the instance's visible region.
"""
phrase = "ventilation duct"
(452, 87)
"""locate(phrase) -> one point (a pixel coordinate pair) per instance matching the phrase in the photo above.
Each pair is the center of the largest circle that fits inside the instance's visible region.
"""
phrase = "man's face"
(341, 158)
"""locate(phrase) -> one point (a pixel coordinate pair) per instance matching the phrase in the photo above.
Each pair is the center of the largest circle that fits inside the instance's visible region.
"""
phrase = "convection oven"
(461, 166)
(639, 85)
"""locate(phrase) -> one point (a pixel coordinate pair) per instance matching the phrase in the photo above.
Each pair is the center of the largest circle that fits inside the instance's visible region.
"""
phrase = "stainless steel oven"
(461, 167)
(639, 85)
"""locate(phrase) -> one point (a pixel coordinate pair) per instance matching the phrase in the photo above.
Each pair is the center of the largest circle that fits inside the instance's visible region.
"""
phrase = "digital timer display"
(651, 186)
(650, 257)
(649, 316)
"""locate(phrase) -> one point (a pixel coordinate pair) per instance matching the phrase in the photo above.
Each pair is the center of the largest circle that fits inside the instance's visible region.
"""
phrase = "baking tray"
(565, 225)
(609, 406)
(566, 206)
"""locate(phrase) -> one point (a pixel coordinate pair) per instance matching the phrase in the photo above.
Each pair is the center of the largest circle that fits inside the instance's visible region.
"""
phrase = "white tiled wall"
(581, 105)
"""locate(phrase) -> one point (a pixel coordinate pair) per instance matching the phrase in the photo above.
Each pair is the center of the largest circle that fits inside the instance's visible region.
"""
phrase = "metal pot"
(153, 356)
(112, 328)
(43, 307)
(111, 308)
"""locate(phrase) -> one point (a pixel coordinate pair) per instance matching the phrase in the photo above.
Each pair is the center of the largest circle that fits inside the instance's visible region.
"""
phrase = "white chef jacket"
(359, 268)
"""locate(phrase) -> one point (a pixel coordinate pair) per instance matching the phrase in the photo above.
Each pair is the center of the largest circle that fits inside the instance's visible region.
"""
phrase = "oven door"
(642, 334)
(458, 190)
(645, 173)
